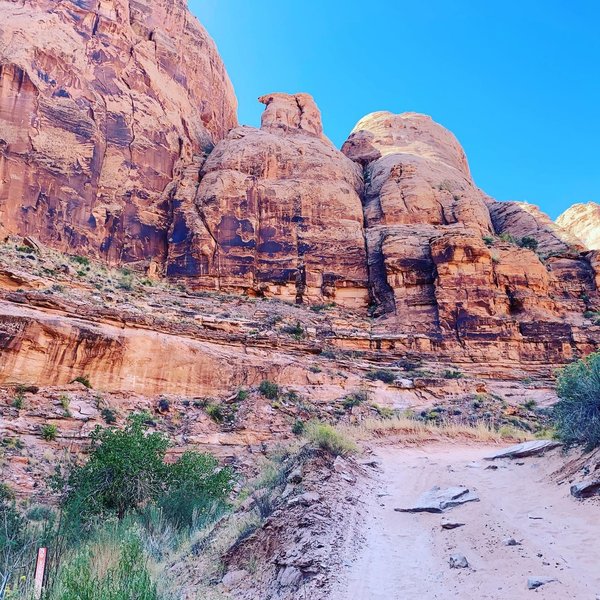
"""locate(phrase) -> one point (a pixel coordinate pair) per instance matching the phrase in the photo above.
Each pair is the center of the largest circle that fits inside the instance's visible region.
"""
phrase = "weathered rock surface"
(583, 221)
(277, 212)
(438, 500)
(459, 561)
(521, 219)
(586, 489)
(533, 448)
(439, 268)
(533, 583)
(103, 104)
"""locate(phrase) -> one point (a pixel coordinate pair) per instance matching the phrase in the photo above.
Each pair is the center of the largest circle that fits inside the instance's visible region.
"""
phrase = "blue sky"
(518, 82)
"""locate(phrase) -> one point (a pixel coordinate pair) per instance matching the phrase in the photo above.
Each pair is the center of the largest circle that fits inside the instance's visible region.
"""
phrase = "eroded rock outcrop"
(102, 104)
(439, 264)
(277, 212)
(583, 221)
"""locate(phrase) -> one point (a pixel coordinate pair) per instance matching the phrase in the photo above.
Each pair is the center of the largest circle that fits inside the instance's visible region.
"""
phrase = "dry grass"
(413, 431)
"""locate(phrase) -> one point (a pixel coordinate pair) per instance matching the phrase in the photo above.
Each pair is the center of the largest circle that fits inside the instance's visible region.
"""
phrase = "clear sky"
(518, 82)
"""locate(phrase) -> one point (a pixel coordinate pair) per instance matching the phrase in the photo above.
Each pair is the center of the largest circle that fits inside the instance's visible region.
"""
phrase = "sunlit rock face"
(583, 221)
(102, 104)
(449, 263)
(278, 212)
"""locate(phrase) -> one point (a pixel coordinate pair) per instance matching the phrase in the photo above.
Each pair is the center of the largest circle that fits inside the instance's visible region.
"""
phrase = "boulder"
(586, 489)
(233, 578)
(438, 500)
(533, 448)
(533, 583)
(458, 561)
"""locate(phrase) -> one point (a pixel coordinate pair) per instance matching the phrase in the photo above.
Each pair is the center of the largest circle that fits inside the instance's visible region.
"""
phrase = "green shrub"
(528, 242)
(109, 416)
(452, 374)
(530, 404)
(298, 427)
(18, 400)
(126, 470)
(81, 260)
(49, 432)
(355, 399)
(488, 240)
(382, 375)
(329, 438)
(577, 413)
(84, 380)
(269, 389)
(242, 395)
(507, 237)
(296, 330)
(215, 412)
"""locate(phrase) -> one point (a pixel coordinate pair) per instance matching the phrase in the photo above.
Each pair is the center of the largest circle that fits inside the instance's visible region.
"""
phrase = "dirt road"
(404, 556)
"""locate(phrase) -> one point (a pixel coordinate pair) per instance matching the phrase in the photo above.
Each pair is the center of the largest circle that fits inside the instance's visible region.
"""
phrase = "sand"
(406, 556)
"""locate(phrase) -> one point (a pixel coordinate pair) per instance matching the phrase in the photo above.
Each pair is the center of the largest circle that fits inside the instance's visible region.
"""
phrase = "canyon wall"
(103, 103)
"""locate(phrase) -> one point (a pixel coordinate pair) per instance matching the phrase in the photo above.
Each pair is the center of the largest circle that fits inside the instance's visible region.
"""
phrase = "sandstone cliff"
(102, 104)
(583, 222)
(277, 212)
(450, 265)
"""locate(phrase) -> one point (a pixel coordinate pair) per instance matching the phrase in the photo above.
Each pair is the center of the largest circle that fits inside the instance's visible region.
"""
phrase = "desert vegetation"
(577, 413)
(118, 516)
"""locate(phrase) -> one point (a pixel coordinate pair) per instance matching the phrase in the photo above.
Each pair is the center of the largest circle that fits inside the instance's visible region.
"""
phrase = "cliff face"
(451, 264)
(583, 222)
(277, 212)
(102, 104)
(119, 141)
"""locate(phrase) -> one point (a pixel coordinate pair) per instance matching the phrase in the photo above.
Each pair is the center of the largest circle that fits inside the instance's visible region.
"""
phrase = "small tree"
(126, 471)
(577, 413)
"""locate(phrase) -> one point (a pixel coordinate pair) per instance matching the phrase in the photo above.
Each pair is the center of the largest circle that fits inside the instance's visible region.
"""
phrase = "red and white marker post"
(40, 570)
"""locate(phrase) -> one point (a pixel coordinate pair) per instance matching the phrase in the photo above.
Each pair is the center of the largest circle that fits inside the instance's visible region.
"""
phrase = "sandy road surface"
(405, 556)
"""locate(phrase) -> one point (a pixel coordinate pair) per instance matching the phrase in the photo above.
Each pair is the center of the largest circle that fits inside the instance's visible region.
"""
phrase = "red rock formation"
(277, 212)
(583, 222)
(437, 264)
(521, 219)
(102, 103)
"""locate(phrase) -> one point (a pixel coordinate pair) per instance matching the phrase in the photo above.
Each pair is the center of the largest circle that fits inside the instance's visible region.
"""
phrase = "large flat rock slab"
(437, 500)
(534, 448)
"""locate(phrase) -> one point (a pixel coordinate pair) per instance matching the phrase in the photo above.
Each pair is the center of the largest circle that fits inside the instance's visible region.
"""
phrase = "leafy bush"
(507, 237)
(81, 260)
(242, 395)
(528, 242)
(269, 389)
(329, 438)
(452, 374)
(18, 400)
(382, 375)
(296, 330)
(49, 432)
(126, 470)
(355, 399)
(488, 240)
(84, 380)
(215, 412)
(298, 427)
(577, 413)
(109, 416)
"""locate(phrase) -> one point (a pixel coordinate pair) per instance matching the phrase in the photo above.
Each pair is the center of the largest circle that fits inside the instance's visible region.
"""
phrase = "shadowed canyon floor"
(403, 555)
